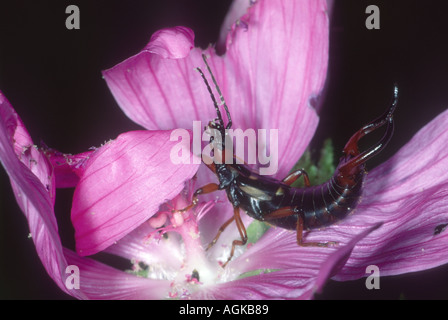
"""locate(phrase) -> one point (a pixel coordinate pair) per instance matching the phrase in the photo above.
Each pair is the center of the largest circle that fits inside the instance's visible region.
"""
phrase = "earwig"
(276, 201)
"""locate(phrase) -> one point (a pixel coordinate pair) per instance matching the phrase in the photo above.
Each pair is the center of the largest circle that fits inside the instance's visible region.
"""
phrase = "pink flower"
(127, 192)
(268, 82)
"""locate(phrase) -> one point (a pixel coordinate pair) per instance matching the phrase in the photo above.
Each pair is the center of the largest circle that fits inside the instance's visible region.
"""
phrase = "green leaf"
(256, 230)
(320, 172)
(256, 273)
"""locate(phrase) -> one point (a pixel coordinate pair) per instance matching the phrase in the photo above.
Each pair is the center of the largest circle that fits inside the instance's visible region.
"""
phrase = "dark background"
(52, 78)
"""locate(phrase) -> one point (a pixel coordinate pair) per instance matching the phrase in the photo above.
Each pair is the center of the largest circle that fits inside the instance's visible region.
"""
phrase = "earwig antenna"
(215, 103)
(223, 102)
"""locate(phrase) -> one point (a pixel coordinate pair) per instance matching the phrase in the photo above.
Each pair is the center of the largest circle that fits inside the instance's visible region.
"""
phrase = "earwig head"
(218, 122)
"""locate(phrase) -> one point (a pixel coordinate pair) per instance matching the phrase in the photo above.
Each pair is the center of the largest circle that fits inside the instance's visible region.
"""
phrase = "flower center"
(194, 269)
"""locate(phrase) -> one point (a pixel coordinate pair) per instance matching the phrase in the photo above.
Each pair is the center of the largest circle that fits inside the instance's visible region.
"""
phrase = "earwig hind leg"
(289, 211)
(300, 240)
(292, 177)
(280, 213)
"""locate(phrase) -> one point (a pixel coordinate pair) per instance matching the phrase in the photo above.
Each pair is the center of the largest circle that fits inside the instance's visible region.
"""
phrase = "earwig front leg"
(292, 177)
(221, 229)
(209, 163)
(209, 188)
(241, 230)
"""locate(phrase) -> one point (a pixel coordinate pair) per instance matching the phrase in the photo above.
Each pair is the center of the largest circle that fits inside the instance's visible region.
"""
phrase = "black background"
(52, 78)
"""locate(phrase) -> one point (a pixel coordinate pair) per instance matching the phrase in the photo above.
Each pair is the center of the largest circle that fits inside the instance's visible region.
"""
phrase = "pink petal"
(33, 185)
(302, 271)
(410, 194)
(66, 167)
(284, 284)
(237, 9)
(273, 79)
(278, 249)
(174, 43)
(122, 185)
(337, 260)
(99, 281)
(137, 246)
(158, 88)
(266, 81)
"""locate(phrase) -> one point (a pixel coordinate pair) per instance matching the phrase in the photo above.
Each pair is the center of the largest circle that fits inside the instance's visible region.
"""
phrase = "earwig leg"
(241, 230)
(221, 229)
(280, 213)
(209, 163)
(292, 177)
(300, 241)
(289, 211)
(209, 188)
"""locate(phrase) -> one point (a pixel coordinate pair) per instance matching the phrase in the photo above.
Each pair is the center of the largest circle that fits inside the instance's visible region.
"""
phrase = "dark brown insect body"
(318, 206)
(276, 202)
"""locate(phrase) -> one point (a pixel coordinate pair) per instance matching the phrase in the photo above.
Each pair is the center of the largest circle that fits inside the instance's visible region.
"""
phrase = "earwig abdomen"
(330, 203)
(319, 206)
